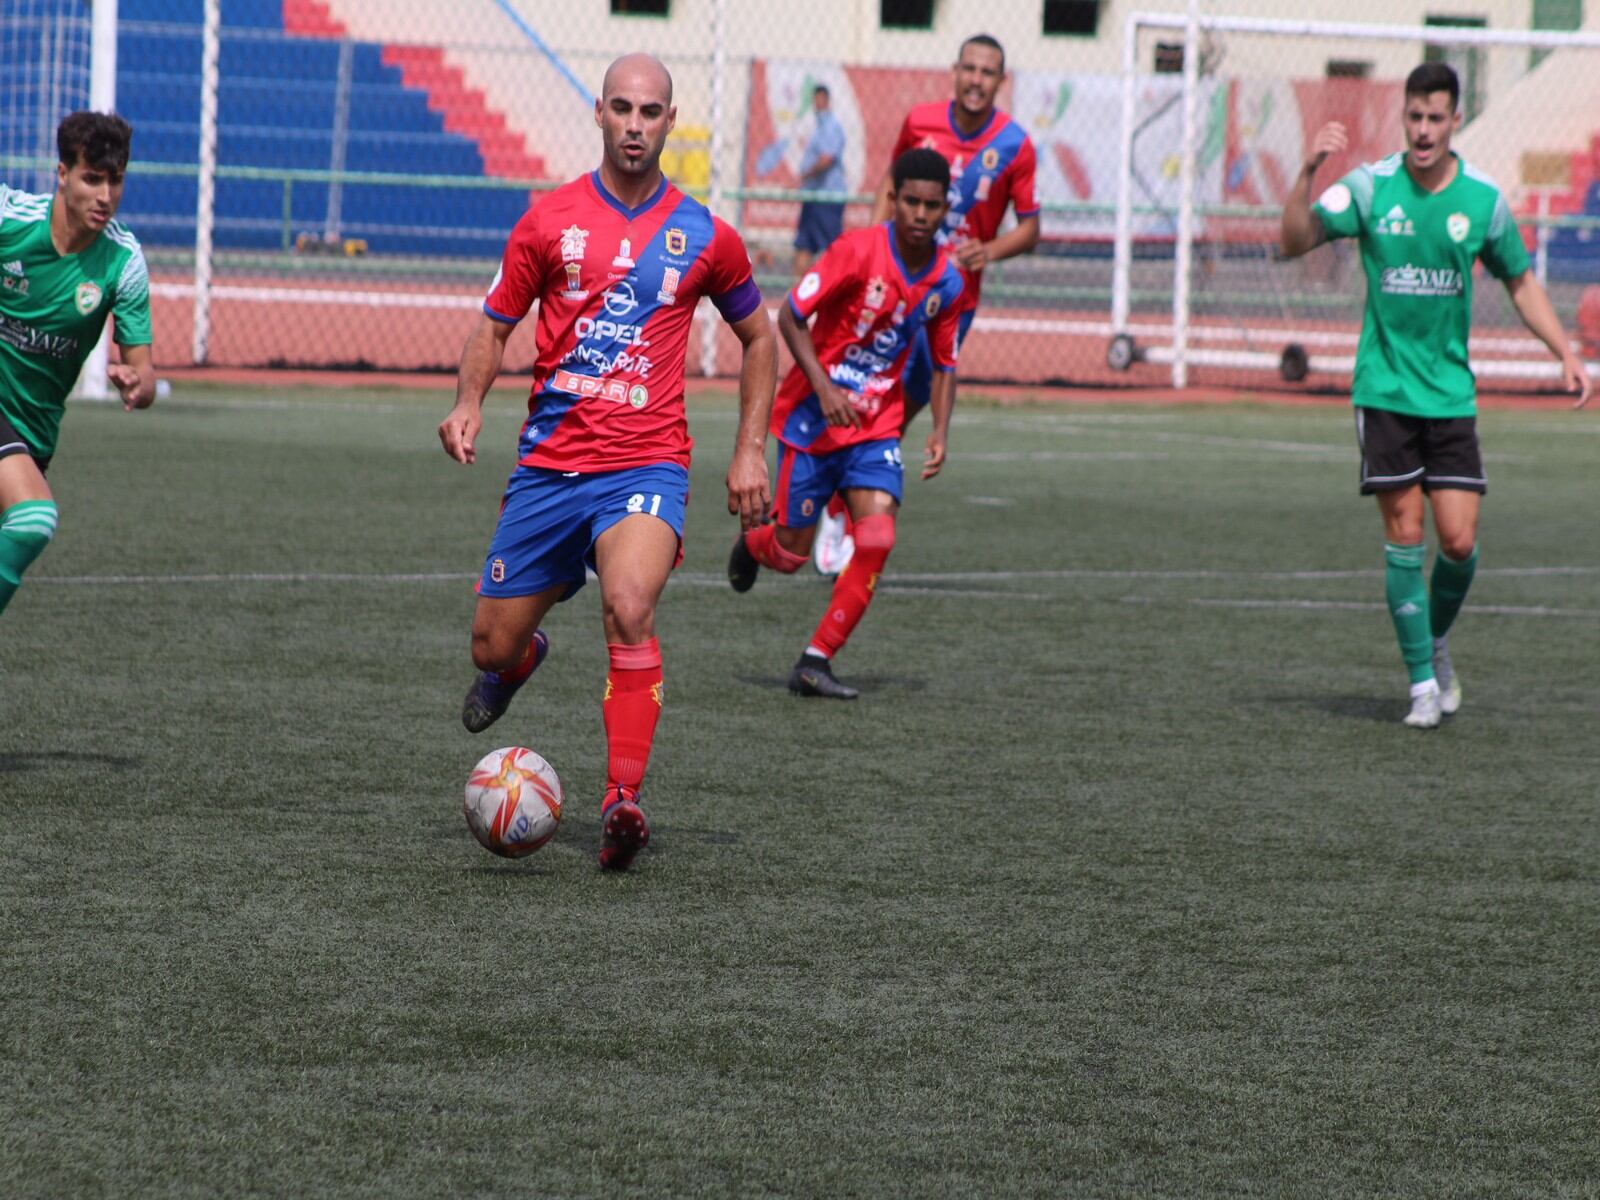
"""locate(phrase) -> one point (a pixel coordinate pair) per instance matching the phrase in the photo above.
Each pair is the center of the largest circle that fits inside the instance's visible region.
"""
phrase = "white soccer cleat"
(833, 547)
(1449, 682)
(1425, 711)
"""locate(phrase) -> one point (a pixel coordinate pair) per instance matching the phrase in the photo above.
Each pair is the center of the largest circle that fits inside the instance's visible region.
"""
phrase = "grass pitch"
(1121, 878)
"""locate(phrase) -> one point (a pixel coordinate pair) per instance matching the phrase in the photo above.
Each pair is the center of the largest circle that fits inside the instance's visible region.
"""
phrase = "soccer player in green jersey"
(65, 266)
(1422, 217)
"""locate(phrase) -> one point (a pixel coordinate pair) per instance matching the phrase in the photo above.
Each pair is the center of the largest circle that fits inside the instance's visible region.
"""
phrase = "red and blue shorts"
(807, 481)
(550, 521)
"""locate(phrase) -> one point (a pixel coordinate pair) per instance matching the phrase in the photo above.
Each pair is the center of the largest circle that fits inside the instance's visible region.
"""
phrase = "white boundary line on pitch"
(903, 581)
(1504, 610)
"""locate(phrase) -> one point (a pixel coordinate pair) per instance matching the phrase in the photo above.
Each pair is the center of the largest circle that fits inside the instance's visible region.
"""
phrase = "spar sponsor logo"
(618, 391)
(1421, 281)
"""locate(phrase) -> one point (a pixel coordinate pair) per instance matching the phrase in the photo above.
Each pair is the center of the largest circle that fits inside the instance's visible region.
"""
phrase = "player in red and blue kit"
(841, 410)
(991, 168)
(616, 261)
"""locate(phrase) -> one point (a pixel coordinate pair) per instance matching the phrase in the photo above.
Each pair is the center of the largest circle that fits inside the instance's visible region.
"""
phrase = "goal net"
(1239, 315)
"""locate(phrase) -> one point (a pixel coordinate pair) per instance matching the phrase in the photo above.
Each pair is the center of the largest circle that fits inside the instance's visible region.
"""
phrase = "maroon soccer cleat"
(623, 830)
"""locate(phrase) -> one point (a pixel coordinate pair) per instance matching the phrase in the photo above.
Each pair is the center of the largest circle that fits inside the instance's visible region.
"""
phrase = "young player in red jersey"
(991, 168)
(616, 261)
(841, 409)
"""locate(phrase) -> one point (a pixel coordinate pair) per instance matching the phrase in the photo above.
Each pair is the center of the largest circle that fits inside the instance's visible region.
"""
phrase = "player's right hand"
(837, 409)
(749, 493)
(459, 433)
(1576, 376)
(1332, 138)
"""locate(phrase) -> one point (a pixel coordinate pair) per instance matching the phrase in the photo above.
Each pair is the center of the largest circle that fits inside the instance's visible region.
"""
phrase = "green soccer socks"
(1448, 588)
(25, 530)
(1408, 607)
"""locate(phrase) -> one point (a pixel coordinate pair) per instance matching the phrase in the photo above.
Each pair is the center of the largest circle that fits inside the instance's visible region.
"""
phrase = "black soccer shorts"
(12, 442)
(1399, 450)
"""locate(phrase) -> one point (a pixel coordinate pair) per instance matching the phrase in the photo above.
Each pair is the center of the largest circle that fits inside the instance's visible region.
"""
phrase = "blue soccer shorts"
(550, 521)
(919, 365)
(807, 481)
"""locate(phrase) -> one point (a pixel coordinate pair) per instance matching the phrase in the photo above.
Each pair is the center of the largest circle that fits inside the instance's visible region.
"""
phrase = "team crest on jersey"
(575, 289)
(638, 395)
(669, 286)
(1458, 225)
(877, 292)
(497, 570)
(624, 258)
(991, 159)
(935, 301)
(88, 297)
(572, 243)
(677, 241)
(807, 506)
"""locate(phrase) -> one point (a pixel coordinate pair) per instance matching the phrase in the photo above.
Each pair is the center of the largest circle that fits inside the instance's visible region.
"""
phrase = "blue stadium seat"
(276, 108)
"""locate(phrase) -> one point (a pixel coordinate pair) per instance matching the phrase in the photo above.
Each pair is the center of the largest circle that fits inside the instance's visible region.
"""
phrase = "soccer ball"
(513, 801)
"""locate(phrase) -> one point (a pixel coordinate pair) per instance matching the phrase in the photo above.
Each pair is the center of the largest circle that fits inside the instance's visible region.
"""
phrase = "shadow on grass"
(39, 760)
(588, 831)
(866, 683)
(1382, 710)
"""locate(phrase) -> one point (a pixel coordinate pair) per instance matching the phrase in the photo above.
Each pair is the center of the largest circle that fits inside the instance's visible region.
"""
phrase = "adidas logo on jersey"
(1396, 223)
(14, 280)
(14, 267)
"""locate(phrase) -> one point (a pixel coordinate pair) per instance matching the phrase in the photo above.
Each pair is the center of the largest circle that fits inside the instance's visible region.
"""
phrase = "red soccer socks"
(762, 542)
(853, 590)
(631, 708)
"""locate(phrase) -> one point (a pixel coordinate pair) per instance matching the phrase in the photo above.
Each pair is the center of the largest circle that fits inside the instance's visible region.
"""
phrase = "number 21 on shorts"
(636, 504)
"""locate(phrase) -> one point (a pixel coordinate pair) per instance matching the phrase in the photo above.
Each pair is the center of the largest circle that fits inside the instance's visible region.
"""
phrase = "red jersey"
(989, 170)
(869, 310)
(616, 289)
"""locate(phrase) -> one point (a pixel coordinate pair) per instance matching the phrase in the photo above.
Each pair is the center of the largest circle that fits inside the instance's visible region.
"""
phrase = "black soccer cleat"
(742, 567)
(488, 698)
(812, 677)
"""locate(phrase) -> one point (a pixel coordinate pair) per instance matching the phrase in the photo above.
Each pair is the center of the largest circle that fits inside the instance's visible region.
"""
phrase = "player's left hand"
(130, 386)
(1576, 376)
(933, 455)
(748, 493)
(973, 255)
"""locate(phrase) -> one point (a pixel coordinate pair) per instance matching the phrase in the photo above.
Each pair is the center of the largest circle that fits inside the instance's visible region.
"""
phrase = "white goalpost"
(1253, 320)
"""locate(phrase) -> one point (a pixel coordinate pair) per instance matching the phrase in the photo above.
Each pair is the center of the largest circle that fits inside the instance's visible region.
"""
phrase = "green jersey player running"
(1422, 218)
(65, 266)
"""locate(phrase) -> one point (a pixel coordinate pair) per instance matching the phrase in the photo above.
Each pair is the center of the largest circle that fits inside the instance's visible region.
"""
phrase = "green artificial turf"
(1122, 878)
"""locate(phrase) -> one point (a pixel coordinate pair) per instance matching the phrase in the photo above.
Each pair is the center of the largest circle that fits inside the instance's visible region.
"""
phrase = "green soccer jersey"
(52, 308)
(1417, 249)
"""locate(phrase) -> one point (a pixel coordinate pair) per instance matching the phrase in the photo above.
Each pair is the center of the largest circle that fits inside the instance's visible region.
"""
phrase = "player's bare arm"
(749, 493)
(1533, 306)
(1301, 229)
(1020, 239)
(134, 377)
(942, 400)
(480, 365)
(836, 408)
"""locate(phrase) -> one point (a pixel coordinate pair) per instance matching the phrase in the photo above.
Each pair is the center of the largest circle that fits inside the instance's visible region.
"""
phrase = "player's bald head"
(638, 73)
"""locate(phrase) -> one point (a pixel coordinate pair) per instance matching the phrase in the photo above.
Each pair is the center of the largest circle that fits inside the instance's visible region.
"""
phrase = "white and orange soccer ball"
(513, 801)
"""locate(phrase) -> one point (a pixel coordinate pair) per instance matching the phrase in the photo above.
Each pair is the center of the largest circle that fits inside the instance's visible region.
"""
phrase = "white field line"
(709, 579)
(1504, 610)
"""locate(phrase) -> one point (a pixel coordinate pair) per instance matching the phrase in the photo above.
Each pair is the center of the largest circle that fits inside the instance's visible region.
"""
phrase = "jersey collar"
(631, 214)
(950, 116)
(894, 250)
